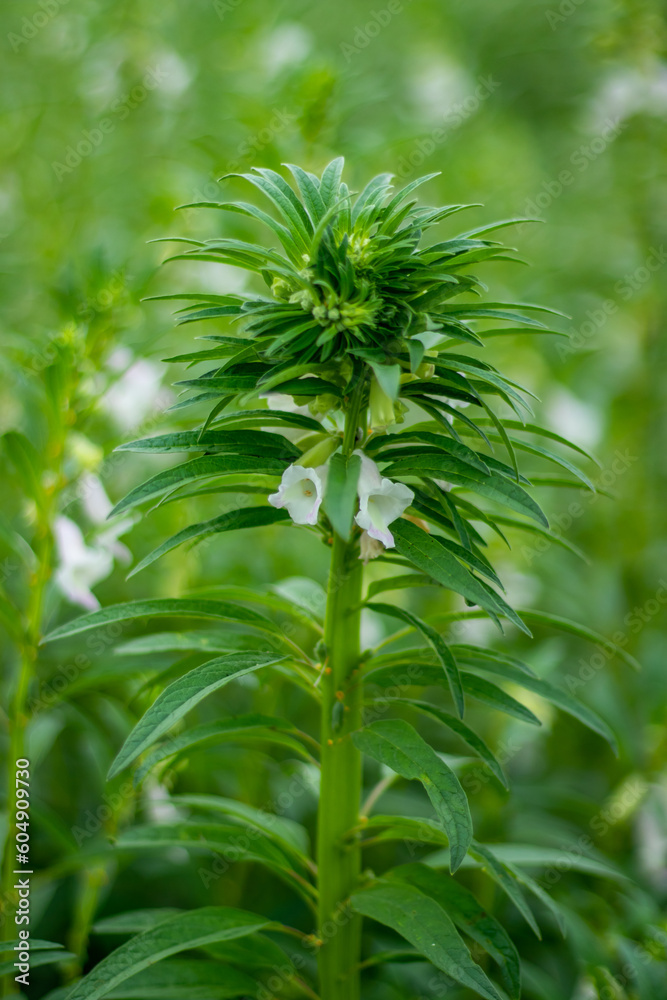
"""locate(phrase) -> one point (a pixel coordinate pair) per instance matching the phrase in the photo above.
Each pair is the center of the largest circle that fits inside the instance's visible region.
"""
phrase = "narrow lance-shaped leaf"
(435, 640)
(232, 520)
(424, 552)
(468, 915)
(340, 497)
(254, 728)
(232, 841)
(175, 934)
(582, 631)
(200, 468)
(183, 694)
(551, 693)
(426, 925)
(176, 978)
(397, 744)
(161, 607)
(464, 732)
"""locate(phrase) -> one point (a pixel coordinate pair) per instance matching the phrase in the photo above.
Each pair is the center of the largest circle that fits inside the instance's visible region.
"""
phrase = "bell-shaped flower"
(301, 491)
(381, 501)
(79, 566)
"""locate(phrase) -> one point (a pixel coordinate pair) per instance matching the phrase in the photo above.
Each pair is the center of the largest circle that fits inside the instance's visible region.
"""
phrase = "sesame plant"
(347, 397)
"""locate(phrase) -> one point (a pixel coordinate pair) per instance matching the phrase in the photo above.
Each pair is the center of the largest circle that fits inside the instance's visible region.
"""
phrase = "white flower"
(381, 501)
(301, 491)
(137, 392)
(79, 567)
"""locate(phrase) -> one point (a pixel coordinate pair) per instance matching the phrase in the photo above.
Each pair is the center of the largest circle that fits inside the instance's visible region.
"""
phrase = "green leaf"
(268, 418)
(516, 425)
(231, 841)
(399, 583)
(340, 499)
(494, 696)
(534, 449)
(200, 468)
(438, 443)
(419, 829)
(437, 643)
(36, 944)
(40, 958)
(309, 189)
(239, 441)
(398, 745)
(232, 520)
(550, 536)
(427, 555)
(468, 915)
(177, 978)
(168, 642)
(426, 925)
(404, 672)
(507, 493)
(254, 728)
(464, 732)
(170, 607)
(582, 632)
(507, 880)
(183, 694)
(545, 690)
(287, 833)
(134, 921)
(330, 182)
(178, 933)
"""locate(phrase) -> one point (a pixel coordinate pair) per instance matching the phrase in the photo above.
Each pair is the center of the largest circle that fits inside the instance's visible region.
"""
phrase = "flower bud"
(320, 452)
(381, 407)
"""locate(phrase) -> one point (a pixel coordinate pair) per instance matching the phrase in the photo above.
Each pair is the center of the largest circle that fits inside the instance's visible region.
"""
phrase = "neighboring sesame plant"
(343, 392)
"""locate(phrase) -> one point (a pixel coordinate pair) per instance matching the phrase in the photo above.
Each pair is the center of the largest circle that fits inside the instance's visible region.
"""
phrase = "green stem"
(339, 864)
(18, 720)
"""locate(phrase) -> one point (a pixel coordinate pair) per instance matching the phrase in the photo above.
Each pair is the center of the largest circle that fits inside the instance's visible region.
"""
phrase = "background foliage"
(116, 112)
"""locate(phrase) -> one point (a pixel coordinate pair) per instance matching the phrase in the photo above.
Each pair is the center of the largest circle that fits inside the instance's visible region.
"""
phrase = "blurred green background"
(114, 113)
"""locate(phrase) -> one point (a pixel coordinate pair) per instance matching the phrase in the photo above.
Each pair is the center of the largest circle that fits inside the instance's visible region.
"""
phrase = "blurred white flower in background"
(437, 84)
(136, 393)
(630, 91)
(574, 419)
(287, 46)
(80, 566)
